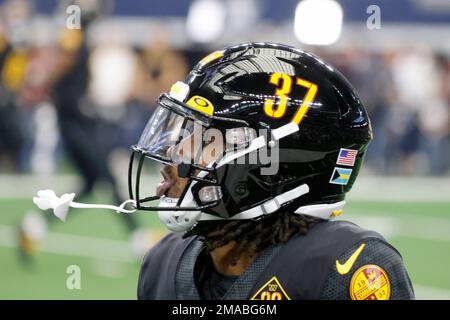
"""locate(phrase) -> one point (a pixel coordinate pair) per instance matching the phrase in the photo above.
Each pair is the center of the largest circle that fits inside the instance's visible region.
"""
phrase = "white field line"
(414, 226)
(401, 189)
(366, 188)
(430, 293)
(26, 186)
(73, 245)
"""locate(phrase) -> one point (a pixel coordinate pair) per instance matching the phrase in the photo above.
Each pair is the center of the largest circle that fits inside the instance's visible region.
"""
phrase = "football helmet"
(299, 110)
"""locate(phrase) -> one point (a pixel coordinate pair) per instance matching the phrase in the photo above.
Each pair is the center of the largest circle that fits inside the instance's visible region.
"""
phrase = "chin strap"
(47, 199)
(267, 207)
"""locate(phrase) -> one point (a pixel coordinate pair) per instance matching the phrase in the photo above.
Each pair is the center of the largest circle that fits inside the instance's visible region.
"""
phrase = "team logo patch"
(347, 157)
(370, 282)
(271, 290)
(201, 104)
(340, 176)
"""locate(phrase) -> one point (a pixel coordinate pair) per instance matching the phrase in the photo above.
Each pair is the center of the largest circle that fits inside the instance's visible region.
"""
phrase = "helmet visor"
(172, 135)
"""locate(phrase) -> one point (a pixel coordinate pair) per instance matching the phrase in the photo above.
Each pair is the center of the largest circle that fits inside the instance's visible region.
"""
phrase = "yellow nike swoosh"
(345, 268)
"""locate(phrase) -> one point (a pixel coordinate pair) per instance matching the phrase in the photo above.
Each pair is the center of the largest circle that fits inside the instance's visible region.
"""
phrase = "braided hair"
(252, 235)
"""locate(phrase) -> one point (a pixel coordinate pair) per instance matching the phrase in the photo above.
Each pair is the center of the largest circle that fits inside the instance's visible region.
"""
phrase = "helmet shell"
(239, 82)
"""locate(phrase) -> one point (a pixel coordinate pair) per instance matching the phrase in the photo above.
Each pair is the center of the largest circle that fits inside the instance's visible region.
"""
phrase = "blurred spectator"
(163, 66)
(372, 76)
(419, 114)
(40, 127)
(85, 116)
(159, 66)
(113, 65)
(435, 118)
(13, 62)
(406, 95)
(105, 92)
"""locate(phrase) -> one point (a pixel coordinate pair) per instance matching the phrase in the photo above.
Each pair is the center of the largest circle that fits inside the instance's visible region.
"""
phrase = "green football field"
(97, 242)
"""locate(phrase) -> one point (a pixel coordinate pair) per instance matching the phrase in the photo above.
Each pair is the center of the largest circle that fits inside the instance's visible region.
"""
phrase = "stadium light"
(205, 20)
(318, 22)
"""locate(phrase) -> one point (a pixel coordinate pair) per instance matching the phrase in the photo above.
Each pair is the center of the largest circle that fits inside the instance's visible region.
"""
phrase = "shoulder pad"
(157, 275)
(310, 257)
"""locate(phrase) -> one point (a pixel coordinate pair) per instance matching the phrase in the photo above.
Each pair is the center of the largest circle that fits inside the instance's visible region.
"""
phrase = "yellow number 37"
(283, 82)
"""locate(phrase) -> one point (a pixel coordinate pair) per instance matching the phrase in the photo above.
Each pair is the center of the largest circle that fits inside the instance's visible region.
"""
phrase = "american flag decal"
(347, 157)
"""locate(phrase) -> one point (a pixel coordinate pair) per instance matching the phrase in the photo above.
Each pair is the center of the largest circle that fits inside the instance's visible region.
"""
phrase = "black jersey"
(334, 260)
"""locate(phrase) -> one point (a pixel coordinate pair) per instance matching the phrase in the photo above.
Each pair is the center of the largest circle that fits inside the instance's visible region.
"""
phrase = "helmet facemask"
(181, 137)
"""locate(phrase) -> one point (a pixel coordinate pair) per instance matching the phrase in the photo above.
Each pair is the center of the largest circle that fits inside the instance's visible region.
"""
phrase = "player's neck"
(222, 260)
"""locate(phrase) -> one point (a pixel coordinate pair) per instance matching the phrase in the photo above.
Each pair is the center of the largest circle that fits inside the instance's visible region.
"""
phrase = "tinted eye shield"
(168, 112)
(169, 123)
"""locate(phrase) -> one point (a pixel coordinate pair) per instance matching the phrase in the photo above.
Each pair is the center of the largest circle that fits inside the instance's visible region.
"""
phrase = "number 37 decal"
(283, 83)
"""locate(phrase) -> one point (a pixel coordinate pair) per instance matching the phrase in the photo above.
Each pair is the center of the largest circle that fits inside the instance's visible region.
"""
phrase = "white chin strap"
(321, 211)
(180, 221)
(268, 207)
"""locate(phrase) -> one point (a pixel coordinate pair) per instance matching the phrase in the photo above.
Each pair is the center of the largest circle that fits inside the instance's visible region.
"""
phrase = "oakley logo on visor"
(201, 104)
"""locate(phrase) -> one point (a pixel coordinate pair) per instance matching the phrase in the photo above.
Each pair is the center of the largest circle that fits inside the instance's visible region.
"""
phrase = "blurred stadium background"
(72, 101)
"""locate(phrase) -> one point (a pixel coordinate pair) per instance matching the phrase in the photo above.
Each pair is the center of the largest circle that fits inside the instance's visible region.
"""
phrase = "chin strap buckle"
(266, 208)
(270, 206)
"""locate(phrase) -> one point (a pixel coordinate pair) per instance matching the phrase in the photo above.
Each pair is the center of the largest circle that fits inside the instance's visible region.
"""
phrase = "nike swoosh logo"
(345, 268)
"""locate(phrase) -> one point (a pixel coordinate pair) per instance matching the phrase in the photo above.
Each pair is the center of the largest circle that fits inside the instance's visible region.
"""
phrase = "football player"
(247, 228)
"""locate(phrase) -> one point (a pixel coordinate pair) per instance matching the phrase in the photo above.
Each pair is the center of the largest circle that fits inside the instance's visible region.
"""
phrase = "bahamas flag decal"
(340, 176)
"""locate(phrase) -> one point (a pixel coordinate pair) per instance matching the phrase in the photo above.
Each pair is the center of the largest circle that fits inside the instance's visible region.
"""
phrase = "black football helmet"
(264, 98)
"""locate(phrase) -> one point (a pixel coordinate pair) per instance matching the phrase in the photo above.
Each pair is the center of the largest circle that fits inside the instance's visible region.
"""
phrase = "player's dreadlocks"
(252, 235)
